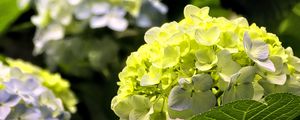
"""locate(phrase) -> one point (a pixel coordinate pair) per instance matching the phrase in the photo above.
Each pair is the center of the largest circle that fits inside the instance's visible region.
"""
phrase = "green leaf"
(280, 106)
(9, 12)
(296, 9)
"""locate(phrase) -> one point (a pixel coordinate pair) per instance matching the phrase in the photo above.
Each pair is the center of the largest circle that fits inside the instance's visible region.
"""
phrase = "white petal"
(225, 77)
(100, 8)
(65, 19)
(147, 80)
(99, 21)
(119, 12)
(260, 50)
(203, 67)
(43, 36)
(227, 66)
(258, 91)
(267, 65)
(118, 24)
(152, 34)
(208, 37)
(144, 21)
(4, 111)
(40, 20)
(31, 114)
(13, 101)
(54, 32)
(277, 79)
(23, 3)
(4, 96)
(74, 2)
(247, 42)
(160, 7)
(82, 12)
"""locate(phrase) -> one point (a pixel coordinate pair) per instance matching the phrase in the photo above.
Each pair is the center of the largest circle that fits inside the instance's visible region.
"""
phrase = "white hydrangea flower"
(54, 16)
(102, 14)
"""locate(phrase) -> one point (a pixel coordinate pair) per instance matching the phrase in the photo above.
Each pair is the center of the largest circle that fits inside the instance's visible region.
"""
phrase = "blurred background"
(88, 41)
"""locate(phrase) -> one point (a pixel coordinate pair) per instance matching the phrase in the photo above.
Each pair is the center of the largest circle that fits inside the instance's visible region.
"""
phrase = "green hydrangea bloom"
(59, 86)
(190, 66)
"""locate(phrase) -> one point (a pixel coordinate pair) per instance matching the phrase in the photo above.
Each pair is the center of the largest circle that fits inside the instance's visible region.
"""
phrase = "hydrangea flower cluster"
(188, 67)
(22, 96)
(59, 86)
(54, 17)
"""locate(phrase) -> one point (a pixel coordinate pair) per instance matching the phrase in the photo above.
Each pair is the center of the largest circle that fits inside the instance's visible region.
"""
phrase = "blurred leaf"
(281, 106)
(289, 34)
(9, 12)
(268, 13)
(81, 56)
(290, 25)
(296, 9)
(3, 59)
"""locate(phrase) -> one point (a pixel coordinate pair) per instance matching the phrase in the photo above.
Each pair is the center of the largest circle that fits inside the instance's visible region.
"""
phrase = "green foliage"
(80, 57)
(9, 12)
(280, 106)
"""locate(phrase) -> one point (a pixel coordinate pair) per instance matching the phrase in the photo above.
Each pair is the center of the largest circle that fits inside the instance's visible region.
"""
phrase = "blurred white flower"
(152, 13)
(159, 6)
(102, 14)
(23, 4)
(44, 35)
(74, 2)
(113, 19)
(55, 17)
